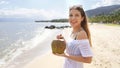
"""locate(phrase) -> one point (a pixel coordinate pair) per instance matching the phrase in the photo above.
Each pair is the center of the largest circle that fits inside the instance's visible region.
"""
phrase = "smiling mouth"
(73, 22)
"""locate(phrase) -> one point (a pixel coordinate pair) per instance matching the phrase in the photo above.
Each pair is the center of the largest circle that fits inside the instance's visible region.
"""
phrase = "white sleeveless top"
(77, 48)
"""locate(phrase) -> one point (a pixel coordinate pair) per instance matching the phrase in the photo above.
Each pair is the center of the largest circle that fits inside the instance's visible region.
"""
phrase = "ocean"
(21, 42)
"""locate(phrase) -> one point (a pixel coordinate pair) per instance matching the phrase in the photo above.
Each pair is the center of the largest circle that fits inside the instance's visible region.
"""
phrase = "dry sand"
(106, 49)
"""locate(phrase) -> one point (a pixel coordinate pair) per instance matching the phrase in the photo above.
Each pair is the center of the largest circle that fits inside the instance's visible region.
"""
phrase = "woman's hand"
(62, 55)
(59, 36)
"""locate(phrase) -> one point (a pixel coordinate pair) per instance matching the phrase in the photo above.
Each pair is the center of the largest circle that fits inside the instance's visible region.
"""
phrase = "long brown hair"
(84, 23)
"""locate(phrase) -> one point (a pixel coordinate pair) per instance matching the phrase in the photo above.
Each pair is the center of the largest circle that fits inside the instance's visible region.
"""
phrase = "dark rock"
(57, 27)
(46, 27)
(50, 27)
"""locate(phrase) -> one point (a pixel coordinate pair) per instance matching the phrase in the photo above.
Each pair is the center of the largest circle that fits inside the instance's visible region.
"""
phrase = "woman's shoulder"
(82, 35)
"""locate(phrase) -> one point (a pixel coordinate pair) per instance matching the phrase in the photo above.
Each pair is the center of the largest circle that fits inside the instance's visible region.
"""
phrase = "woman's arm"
(77, 58)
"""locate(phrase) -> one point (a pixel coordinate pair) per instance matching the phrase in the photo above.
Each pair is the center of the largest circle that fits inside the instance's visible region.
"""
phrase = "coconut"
(58, 46)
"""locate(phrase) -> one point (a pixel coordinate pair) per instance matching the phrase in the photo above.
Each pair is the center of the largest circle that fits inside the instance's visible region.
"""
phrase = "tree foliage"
(113, 17)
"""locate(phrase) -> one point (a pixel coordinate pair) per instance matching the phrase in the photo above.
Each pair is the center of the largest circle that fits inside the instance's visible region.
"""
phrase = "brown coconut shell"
(58, 46)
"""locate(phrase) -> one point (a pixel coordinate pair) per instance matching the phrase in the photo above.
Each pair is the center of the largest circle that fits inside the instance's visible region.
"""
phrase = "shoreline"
(42, 46)
(36, 62)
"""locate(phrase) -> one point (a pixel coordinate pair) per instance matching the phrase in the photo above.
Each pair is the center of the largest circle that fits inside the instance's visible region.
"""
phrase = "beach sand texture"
(106, 50)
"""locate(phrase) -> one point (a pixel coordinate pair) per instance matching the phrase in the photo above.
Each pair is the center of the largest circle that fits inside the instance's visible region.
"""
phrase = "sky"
(46, 9)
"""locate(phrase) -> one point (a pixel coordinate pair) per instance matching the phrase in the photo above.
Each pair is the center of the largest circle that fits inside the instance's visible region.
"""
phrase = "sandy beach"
(106, 49)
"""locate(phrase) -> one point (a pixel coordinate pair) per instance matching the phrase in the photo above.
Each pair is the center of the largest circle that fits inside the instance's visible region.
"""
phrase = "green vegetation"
(54, 20)
(59, 20)
(113, 18)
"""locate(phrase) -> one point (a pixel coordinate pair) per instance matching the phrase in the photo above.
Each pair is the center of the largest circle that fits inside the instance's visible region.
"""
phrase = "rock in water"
(58, 46)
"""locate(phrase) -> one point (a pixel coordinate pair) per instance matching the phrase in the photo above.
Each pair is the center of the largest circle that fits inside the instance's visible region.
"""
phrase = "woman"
(78, 49)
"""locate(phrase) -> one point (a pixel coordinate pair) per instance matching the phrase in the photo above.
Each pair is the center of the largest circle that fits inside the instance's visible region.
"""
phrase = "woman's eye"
(70, 15)
(77, 15)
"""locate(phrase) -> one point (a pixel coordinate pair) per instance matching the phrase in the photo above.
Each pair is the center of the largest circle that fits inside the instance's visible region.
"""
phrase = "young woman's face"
(75, 18)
